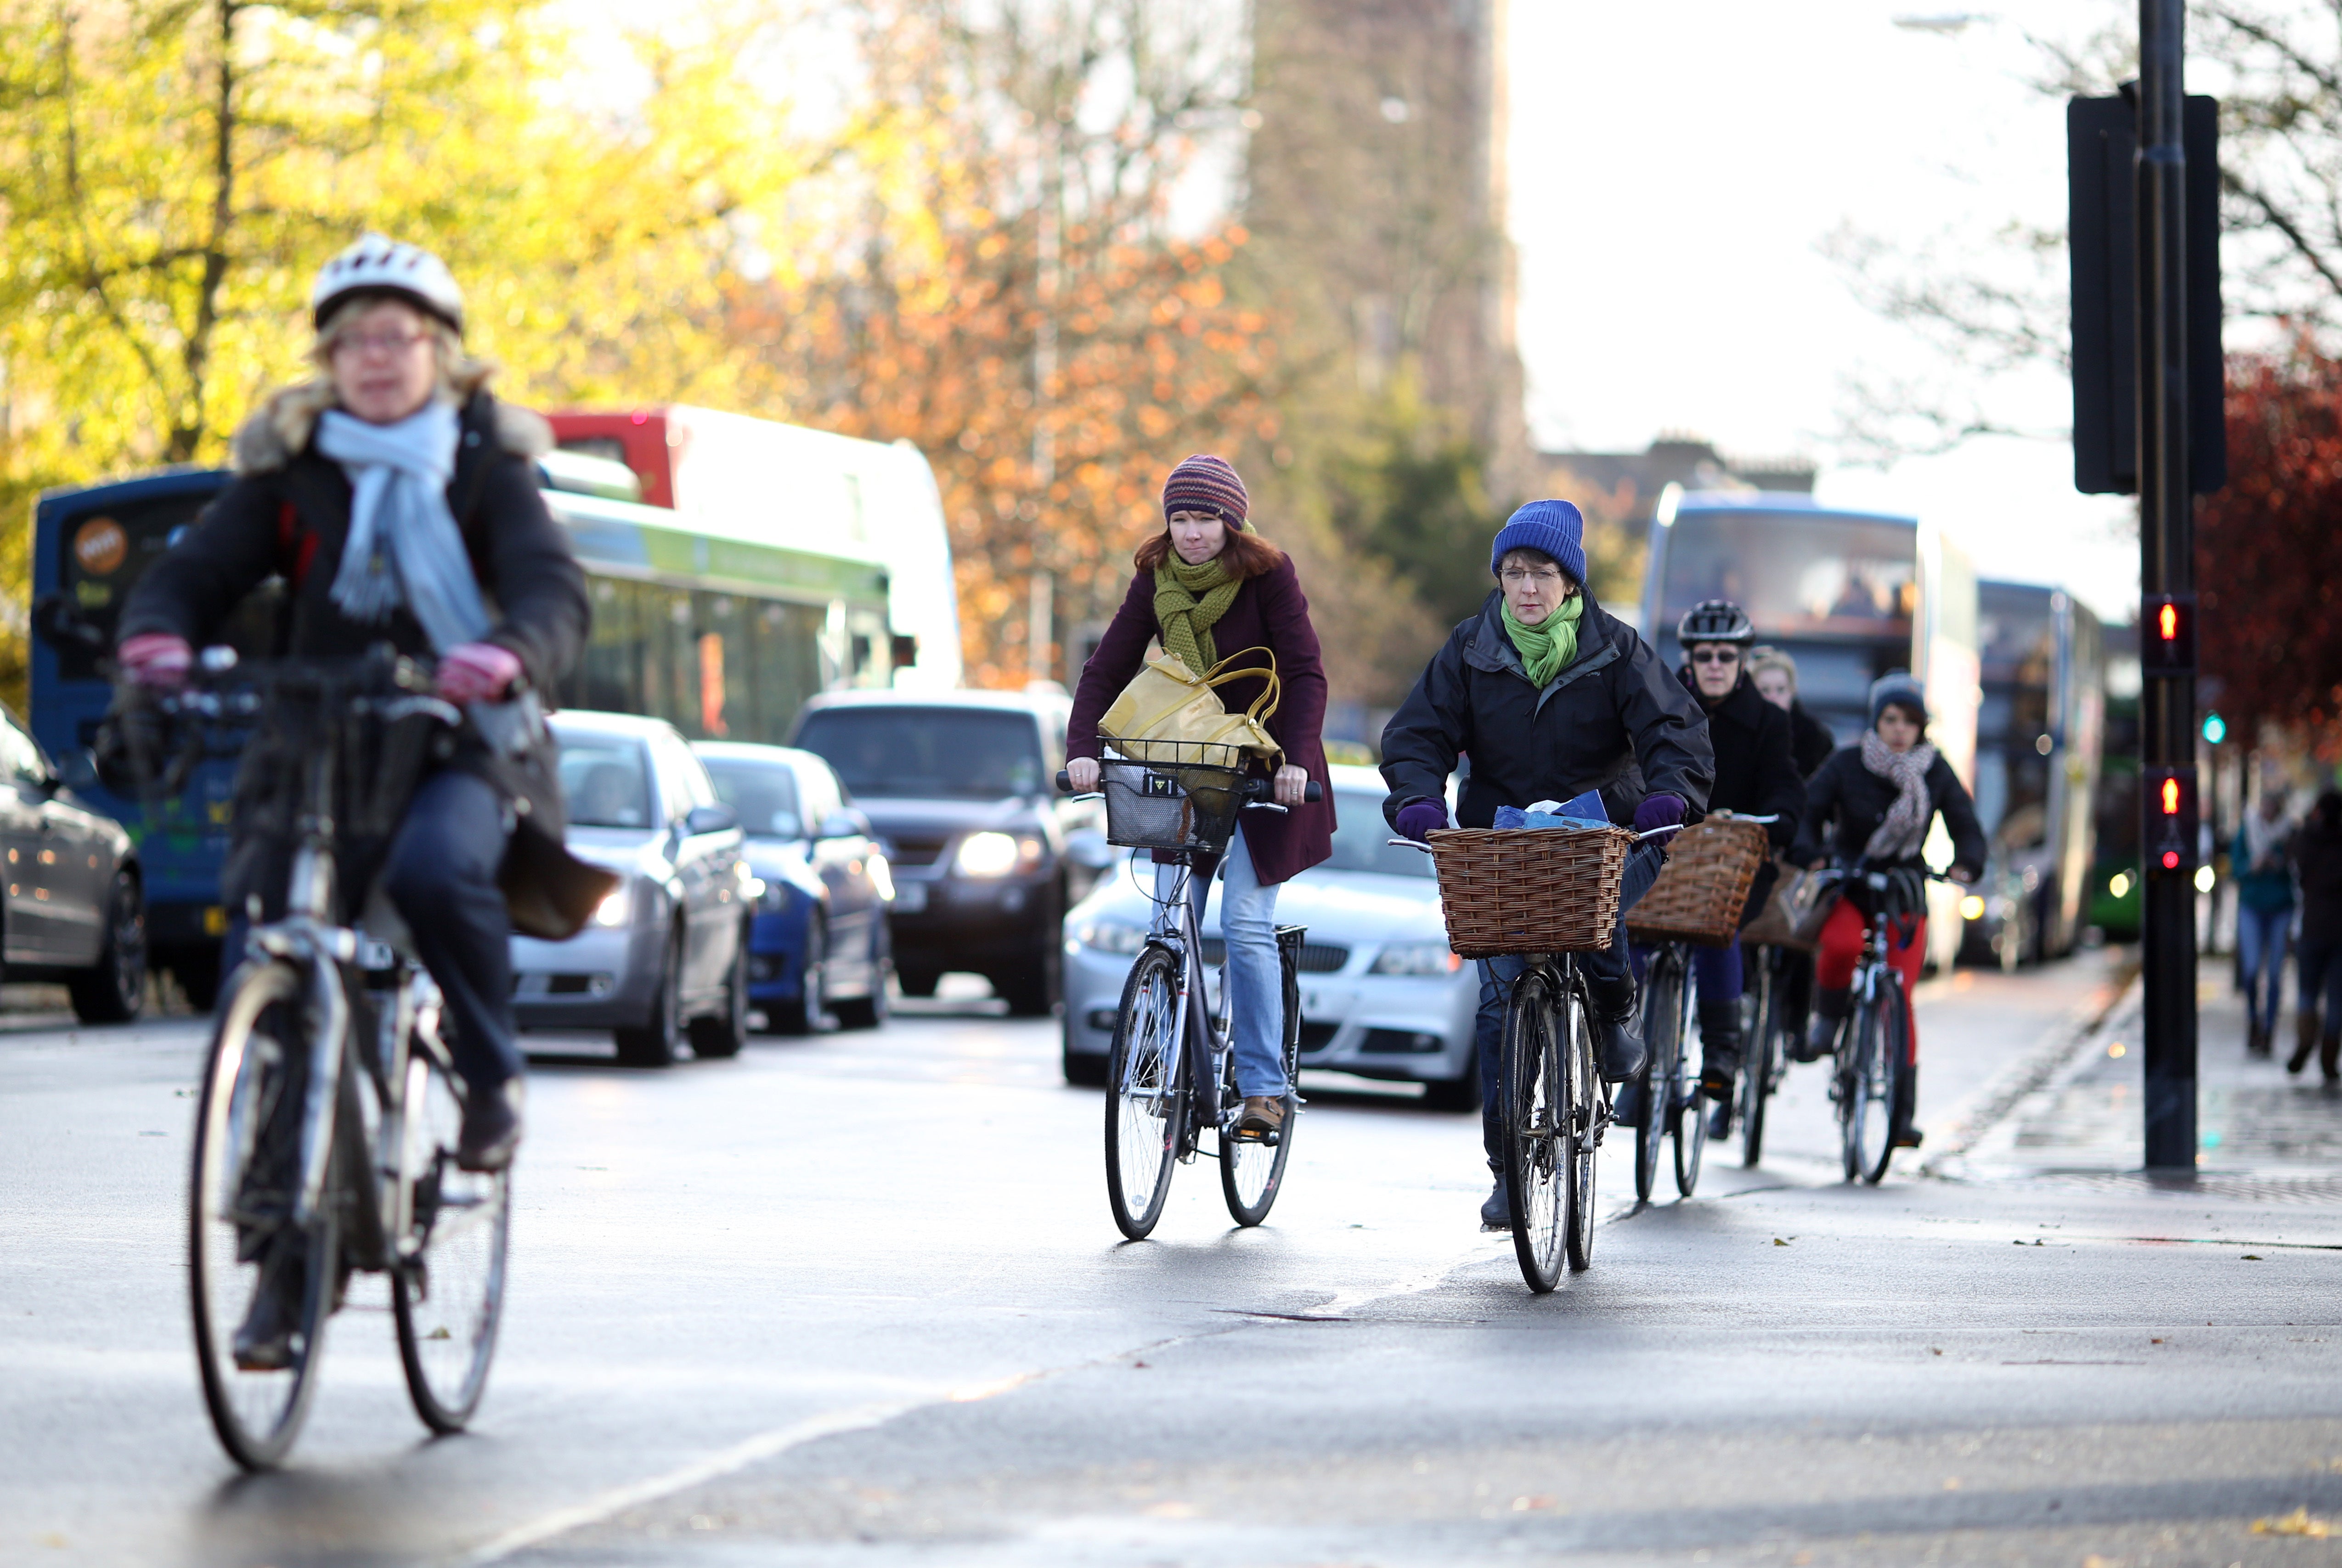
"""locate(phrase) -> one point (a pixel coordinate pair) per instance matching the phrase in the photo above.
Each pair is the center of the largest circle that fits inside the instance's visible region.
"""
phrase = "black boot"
(2257, 1039)
(1497, 1213)
(2329, 1057)
(1906, 1105)
(491, 1129)
(264, 1341)
(1619, 1053)
(1720, 1038)
(2304, 1039)
(1830, 1008)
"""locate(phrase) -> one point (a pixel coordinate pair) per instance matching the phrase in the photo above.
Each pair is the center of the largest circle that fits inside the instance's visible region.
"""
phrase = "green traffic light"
(2216, 728)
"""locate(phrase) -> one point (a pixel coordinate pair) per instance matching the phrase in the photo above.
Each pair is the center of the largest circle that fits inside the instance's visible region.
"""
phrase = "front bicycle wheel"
(1663, 990)
(1252, 1170)
(1146, 1093)
(1884, 1087)
(1865, 1091)
(448, 1290)
(243, 1240)
(1540, 1143)
(1580, 1088)
(1689, 1115)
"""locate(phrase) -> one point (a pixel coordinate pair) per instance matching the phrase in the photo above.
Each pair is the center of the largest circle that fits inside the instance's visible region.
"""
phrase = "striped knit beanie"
(1205, 484)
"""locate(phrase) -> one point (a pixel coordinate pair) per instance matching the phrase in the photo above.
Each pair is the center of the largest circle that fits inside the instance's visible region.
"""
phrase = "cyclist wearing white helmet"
(396, 498)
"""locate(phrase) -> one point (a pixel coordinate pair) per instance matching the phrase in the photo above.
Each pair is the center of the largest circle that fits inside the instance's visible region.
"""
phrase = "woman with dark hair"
(1208, 588)
(1872, 803)
(2318, 856)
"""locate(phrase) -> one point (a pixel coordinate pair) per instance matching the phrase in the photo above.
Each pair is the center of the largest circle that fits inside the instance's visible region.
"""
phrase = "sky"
(1674, 170)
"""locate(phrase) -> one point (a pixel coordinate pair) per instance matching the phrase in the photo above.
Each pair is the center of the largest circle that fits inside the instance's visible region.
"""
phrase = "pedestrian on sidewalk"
(2318, 856)
(2262, 861)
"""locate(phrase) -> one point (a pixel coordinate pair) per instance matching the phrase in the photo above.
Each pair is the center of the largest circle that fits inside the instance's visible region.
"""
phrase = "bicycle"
(328, 1122)
(1872, 1051)
(1764, 1056)
(1164, 795)
(1555, 1108)
(1671, 1106)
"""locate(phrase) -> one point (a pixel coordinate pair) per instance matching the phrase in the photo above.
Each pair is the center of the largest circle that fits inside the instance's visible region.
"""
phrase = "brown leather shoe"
(1262, 1116)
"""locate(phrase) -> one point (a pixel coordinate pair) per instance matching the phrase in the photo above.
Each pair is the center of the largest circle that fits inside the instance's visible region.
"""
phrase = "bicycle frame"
(1203, 1031)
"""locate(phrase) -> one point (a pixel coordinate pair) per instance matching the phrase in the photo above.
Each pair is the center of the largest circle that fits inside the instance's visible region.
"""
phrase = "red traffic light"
(2171, 860)
(2166, 643)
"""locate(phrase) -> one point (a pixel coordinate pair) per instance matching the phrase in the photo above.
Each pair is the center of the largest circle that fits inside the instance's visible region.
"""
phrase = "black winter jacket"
(2317, 853)
(1755, 773)
(1810, 741)
(1615, 720)
(1846, 802)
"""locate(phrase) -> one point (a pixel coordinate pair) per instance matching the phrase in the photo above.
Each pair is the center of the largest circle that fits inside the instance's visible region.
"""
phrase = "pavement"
(856, 1300)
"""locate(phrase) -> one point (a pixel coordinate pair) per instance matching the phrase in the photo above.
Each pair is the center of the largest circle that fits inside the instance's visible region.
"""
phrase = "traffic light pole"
(2167, 568)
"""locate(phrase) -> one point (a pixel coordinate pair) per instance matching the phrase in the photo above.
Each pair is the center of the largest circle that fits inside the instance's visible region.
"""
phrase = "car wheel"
(1031, 989)
(869, 1012)
(115, 989)
(1083, 1072)
(659, 1040)
(723, 1034)
(802, 1013)
(917, 982)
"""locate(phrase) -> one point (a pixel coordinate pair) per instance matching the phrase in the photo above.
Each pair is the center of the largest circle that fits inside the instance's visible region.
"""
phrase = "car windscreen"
(1359, 836)
(606, 780)
(764, 793)
(927, 754)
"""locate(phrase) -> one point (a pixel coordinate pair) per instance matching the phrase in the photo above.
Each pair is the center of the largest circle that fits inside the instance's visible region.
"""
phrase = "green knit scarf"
(1187, 601)
(1547, 647)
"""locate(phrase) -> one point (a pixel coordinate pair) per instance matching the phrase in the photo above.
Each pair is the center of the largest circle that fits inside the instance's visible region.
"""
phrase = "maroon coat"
(1270, 612)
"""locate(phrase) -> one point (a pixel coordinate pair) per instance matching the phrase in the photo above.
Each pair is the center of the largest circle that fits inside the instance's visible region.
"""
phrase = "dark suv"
(986, 856)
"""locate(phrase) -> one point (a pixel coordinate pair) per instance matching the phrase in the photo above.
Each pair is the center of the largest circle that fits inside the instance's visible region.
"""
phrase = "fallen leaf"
(1933, 1350)
(2301, 1521)
(1951, 1483)
(2252, 1258)
(1779, 1243)
(2155, 1342)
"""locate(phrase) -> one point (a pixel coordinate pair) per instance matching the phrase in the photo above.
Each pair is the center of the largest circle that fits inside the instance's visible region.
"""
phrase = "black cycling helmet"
(1715, 621)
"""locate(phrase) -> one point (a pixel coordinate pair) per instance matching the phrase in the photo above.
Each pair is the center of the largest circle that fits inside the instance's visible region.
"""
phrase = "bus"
(1851, 596)
(708, 623)
(2039, 741)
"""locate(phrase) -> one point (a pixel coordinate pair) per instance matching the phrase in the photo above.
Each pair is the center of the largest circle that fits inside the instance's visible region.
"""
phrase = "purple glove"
(1658, 811)
(1416, 818)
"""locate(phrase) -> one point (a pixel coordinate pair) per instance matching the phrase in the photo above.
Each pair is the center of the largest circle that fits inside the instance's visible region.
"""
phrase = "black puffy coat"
(1846, 802)
(1615, 720)
(1756, 775)
(1810, 741)
(2317, 854)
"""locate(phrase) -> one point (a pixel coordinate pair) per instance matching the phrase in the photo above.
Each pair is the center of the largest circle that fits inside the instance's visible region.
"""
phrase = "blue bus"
(709, 627)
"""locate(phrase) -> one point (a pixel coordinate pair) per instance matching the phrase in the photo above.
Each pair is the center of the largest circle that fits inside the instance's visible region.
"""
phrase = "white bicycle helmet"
(380, 264)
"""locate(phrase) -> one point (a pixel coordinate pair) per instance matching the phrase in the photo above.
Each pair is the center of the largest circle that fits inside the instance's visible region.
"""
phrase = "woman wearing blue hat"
(1875, 800)
(1550, 696)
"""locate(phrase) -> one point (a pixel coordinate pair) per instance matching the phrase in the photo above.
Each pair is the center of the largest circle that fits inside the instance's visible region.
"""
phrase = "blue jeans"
(2260, 939)
(441, 874)
(1256, 987)
(1606, 973)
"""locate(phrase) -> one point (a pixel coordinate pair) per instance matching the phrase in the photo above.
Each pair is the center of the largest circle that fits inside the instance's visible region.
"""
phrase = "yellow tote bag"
(1174, 713)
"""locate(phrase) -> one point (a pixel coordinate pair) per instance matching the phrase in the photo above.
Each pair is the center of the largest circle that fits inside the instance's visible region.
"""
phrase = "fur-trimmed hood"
(281, 429)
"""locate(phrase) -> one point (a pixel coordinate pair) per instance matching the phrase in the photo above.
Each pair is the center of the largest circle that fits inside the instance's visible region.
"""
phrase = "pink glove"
(476, 672)
(157, 660)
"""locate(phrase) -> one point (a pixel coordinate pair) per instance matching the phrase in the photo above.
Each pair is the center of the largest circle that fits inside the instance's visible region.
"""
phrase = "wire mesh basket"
(1529, 890)
(1698, 897)
(1173, 794)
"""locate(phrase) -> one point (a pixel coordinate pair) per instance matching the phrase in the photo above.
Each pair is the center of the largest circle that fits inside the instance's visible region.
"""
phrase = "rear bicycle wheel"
(1689, 1115)
(1759, 1069)
(242, 1237)
(1252, 1171)
(1146, 1093)
(1580, 1088)
(1539, 1139)
(1662, 1050)
(448, 1292)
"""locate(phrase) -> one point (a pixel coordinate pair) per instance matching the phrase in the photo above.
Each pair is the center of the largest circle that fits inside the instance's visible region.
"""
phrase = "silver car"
(1382, 996)
(665, 958)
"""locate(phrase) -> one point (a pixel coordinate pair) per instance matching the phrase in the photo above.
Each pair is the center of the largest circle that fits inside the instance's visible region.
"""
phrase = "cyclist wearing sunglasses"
(1550, 696)
(1756, 775)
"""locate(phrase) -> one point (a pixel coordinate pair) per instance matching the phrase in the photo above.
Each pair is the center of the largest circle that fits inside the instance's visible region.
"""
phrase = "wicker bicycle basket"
(1172, 794)
(1529, 890)
(1698, 897)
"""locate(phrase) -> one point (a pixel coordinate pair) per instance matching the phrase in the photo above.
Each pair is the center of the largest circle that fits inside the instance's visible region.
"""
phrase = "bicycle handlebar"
(1256, 790)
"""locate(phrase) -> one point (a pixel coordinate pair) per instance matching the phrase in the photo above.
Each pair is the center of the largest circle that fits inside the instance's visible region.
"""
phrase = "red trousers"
(1841, 945)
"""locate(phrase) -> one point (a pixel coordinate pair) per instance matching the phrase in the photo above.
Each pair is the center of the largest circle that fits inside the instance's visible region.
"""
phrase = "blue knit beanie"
(1898, 688)
(1554, 527)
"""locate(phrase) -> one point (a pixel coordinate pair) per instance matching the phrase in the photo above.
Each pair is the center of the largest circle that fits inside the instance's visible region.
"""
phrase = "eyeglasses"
(386, 343)
(1518, 578)
(1715, 656)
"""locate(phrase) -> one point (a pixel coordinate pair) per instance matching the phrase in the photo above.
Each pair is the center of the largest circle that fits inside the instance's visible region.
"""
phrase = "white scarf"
(1905, 826)
(403, 547)
(2263, 840)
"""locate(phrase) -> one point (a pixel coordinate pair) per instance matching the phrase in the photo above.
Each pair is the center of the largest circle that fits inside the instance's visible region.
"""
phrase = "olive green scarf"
(1547, 647)
(1187, 601)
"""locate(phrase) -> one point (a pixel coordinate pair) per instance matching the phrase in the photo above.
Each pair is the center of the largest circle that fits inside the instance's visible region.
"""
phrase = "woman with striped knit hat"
(1208, 587)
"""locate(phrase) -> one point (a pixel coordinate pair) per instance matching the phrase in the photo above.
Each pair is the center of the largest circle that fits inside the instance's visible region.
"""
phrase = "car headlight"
(1972, 907)
(1110, 936)
(995, 854)
(614, 909)
(1417, 958)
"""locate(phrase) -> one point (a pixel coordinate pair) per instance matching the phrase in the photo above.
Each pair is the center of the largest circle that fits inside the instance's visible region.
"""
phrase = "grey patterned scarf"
(1905, 828)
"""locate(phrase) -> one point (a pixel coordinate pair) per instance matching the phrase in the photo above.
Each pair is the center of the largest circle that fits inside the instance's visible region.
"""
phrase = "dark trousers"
(2320, 961)
(1606, 975)
(441, 874)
